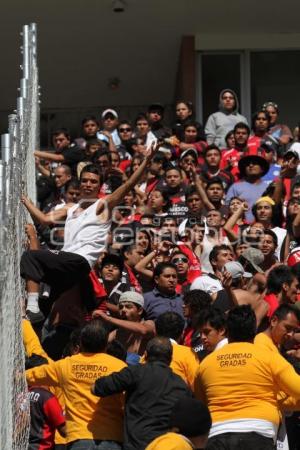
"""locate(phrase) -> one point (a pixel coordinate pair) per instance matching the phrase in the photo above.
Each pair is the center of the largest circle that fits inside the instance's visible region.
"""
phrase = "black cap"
(269, 145)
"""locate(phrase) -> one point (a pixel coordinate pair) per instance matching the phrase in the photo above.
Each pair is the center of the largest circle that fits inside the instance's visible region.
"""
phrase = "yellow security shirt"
(185, 363)
(31, 341)
(241, 381)
(32, 345)
(264, 341)
(285, 402)
(87, 416)
(170, 441)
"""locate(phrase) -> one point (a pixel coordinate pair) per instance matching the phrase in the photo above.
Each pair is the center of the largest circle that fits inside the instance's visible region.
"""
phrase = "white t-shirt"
(85, 233)
(280, 233)
(263, 427)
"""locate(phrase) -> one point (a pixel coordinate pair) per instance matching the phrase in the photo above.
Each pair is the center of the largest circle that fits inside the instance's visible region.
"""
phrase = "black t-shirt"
(178, 206)
(223, 302)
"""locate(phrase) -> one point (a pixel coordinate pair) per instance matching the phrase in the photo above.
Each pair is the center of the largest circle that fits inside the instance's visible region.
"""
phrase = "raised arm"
(226, 279)
(285, 249)
(111, 145)
(232, 221)
(200, 190)
(278, 190)
(296, 225)
(116, 382)
(31, 341)
(41, 168)
(142, 266)
(146, 328)
(58, 157)
(288, 170)
(45, 219)
(117, 196)
(45, 375)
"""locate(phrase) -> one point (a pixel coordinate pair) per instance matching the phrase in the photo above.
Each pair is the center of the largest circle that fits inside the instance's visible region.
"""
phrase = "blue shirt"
(273, 173)
(157, 303)
(250, 192)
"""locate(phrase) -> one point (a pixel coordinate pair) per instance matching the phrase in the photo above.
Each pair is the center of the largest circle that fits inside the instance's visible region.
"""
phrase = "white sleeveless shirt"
(85, 233)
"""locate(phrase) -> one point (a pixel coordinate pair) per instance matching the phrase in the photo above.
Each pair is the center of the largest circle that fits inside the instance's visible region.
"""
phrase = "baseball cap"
(253, 257)
(294, 150)
(109, 111)
(133, 297)
(190, 151)
(207, 283)
(237, 270)
(268, 145)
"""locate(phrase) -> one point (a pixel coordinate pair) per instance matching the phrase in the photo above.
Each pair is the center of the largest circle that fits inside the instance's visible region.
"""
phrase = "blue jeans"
(91, 444)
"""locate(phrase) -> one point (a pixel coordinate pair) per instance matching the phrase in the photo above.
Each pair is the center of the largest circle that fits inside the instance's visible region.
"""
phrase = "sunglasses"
(124, 130)
(294, 202)
(179, 260)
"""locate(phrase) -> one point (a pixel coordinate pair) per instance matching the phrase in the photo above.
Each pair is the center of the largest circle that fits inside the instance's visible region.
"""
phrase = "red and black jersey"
(225, 176)
(178, 206)
(46, 416)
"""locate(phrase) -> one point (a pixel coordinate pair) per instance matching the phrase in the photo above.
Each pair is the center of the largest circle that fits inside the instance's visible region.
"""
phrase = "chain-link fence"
(17, 175)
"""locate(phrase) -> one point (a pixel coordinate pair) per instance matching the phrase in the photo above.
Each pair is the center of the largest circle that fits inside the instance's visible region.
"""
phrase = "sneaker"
(35, 317)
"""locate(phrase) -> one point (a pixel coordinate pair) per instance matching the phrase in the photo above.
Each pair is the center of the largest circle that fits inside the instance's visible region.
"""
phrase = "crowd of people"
(163, 283)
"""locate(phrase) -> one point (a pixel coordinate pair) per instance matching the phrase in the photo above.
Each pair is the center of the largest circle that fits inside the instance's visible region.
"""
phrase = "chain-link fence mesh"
(17, 175)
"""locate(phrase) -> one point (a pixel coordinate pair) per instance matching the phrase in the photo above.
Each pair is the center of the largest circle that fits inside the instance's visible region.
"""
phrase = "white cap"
(133, 297)
(207, 284)
(109, 111)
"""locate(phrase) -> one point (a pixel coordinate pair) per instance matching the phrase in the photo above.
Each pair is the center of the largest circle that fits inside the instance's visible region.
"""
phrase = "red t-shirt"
(273, 303)
(231, 156)
(253, 144)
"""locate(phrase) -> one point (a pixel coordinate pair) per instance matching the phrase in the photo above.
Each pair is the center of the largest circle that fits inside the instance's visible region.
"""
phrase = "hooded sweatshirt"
(219, 123)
